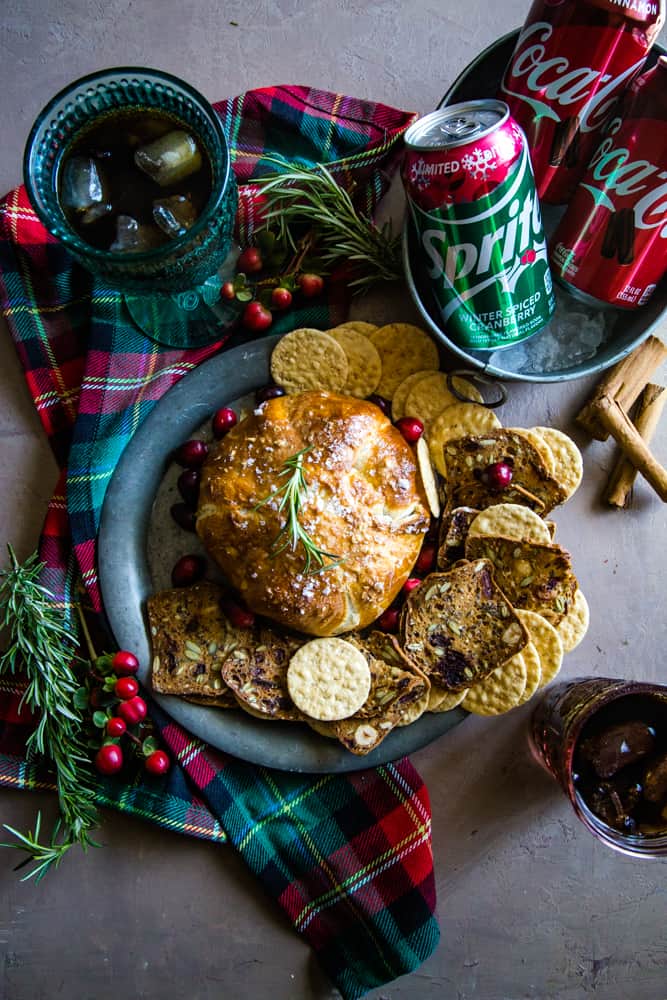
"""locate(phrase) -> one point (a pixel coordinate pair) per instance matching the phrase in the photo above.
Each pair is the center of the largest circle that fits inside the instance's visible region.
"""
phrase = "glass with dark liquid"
(130, 169)
(605, 742)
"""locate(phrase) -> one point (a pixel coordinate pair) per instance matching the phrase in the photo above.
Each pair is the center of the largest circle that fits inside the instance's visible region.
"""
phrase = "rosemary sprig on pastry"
(292, 493)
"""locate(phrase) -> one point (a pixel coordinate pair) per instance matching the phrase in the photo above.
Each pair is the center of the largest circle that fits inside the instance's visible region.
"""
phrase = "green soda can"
(470, 187)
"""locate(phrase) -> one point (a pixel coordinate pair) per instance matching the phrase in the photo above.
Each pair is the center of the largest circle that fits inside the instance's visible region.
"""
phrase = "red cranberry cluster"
(267, 294)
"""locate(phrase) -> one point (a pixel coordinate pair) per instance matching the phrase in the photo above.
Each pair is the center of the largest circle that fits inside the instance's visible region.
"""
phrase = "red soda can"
(571, 61)
(610, 247)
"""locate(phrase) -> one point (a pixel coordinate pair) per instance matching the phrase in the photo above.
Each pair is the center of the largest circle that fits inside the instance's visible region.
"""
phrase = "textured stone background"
(530, 905)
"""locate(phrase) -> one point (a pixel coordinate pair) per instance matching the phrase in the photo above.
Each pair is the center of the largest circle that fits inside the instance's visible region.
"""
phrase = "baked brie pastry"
(314, 510)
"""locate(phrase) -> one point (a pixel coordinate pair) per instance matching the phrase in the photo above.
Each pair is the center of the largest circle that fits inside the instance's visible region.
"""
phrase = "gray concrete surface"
(530, 905)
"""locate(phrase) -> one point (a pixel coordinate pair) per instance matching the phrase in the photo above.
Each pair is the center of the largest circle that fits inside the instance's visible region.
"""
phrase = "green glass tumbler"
(173, 291)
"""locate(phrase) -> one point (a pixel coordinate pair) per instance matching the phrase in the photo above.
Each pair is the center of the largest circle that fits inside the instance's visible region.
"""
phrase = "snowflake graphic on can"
(479, 162)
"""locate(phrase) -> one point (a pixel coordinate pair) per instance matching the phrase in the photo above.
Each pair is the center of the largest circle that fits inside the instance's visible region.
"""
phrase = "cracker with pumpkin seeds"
(404, 349)
(459, 626)
(257, 673)
(500, 691)
(363, 361)
(456, 421)
(532, 576)
(191, 638)
(466, 458)
(510, 520)
(452, 535)
(385, 647)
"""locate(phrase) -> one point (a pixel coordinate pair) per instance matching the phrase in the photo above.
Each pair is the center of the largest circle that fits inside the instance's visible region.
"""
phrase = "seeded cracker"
(431, 395)
(574, 626)
(500, 691)
(510, 520)
(308, 359)
(403, 391)
(569, 464)
(328, 679)
(404, 349)
(452, 536)
(385, 647)
(547, 642)
(257, 673)
(533, 577)
(364, 365)
(459, 626)
(458, 421)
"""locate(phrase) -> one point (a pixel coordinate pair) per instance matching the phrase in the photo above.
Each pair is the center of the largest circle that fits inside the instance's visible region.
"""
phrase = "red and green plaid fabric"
(347, 857)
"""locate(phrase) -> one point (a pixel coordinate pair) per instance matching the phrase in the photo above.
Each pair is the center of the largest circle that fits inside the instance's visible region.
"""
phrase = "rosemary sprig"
(292, 493)
(42, 647)
(342, 235)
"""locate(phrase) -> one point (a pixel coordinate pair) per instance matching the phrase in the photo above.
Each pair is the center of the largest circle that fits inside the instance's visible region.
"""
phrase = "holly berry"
(109, 759)
(311, 285)
(411, 584)
(192, 454)
(382, 403)
(228, 291)
(388, 620)
(223, 421)
(239, 617)
(188, 570)
(184, 516)
(256, 317)
(281, 298)
(268, 392)
(125, 688)
(250, 261)
(133, 710)
(411, 428)
(188, 486)
(157, 762)
(497, 476)
(425, 560)
(124, 662)
(115, 726)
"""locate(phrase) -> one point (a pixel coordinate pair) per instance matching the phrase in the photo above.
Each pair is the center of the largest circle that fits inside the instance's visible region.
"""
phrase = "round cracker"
(358, 325)
(431, 395)
(547, 642)
(308, 359)
(569, 469)
(404, 349)
(442, 700)
(500, 691)
(540, 445)
(328, 679)
(511, 520)
(458, 420)
(533, 672)
(403, 391)
(574, 626)
(428, 477)
(363, 362)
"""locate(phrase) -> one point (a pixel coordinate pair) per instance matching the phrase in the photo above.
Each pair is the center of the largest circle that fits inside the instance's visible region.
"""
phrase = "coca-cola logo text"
(620, 176)
(557, 89)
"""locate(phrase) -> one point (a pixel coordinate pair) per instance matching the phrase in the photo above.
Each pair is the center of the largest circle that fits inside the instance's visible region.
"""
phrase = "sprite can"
(471, 192)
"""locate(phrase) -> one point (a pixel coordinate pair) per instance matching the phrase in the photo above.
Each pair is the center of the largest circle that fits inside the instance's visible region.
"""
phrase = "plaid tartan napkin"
(347, 857)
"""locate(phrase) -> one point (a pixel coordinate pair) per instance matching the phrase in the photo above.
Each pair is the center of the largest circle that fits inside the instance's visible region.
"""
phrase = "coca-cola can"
(571, 61)
(610, 247)
(471, 194)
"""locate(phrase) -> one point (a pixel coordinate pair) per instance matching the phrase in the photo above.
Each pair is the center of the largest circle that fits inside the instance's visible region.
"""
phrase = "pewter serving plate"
(139, 543)
(620, 330)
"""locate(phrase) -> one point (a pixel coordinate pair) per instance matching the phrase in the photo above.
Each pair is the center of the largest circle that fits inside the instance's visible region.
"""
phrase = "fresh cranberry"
(184, 516)
(192, 454)
(281, 298)
(239, 617)
(268, 392)
(250, 261)
(228, 291)
(115, 726)
(411, 428)
(388, 620)
(382, 403)
(109, 759)
(411, 584)
(133, 710)
(223, 421)
(311, 285)
(124, 662)
(425, 560)
(188, 570)
(256, 317)
(157, 762)
(125, 688)
(188, 486)
(497, 476)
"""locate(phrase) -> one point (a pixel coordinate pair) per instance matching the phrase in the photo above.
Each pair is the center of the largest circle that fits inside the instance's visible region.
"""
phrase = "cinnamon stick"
(616, 421)
(623, 382)
(646, 418)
